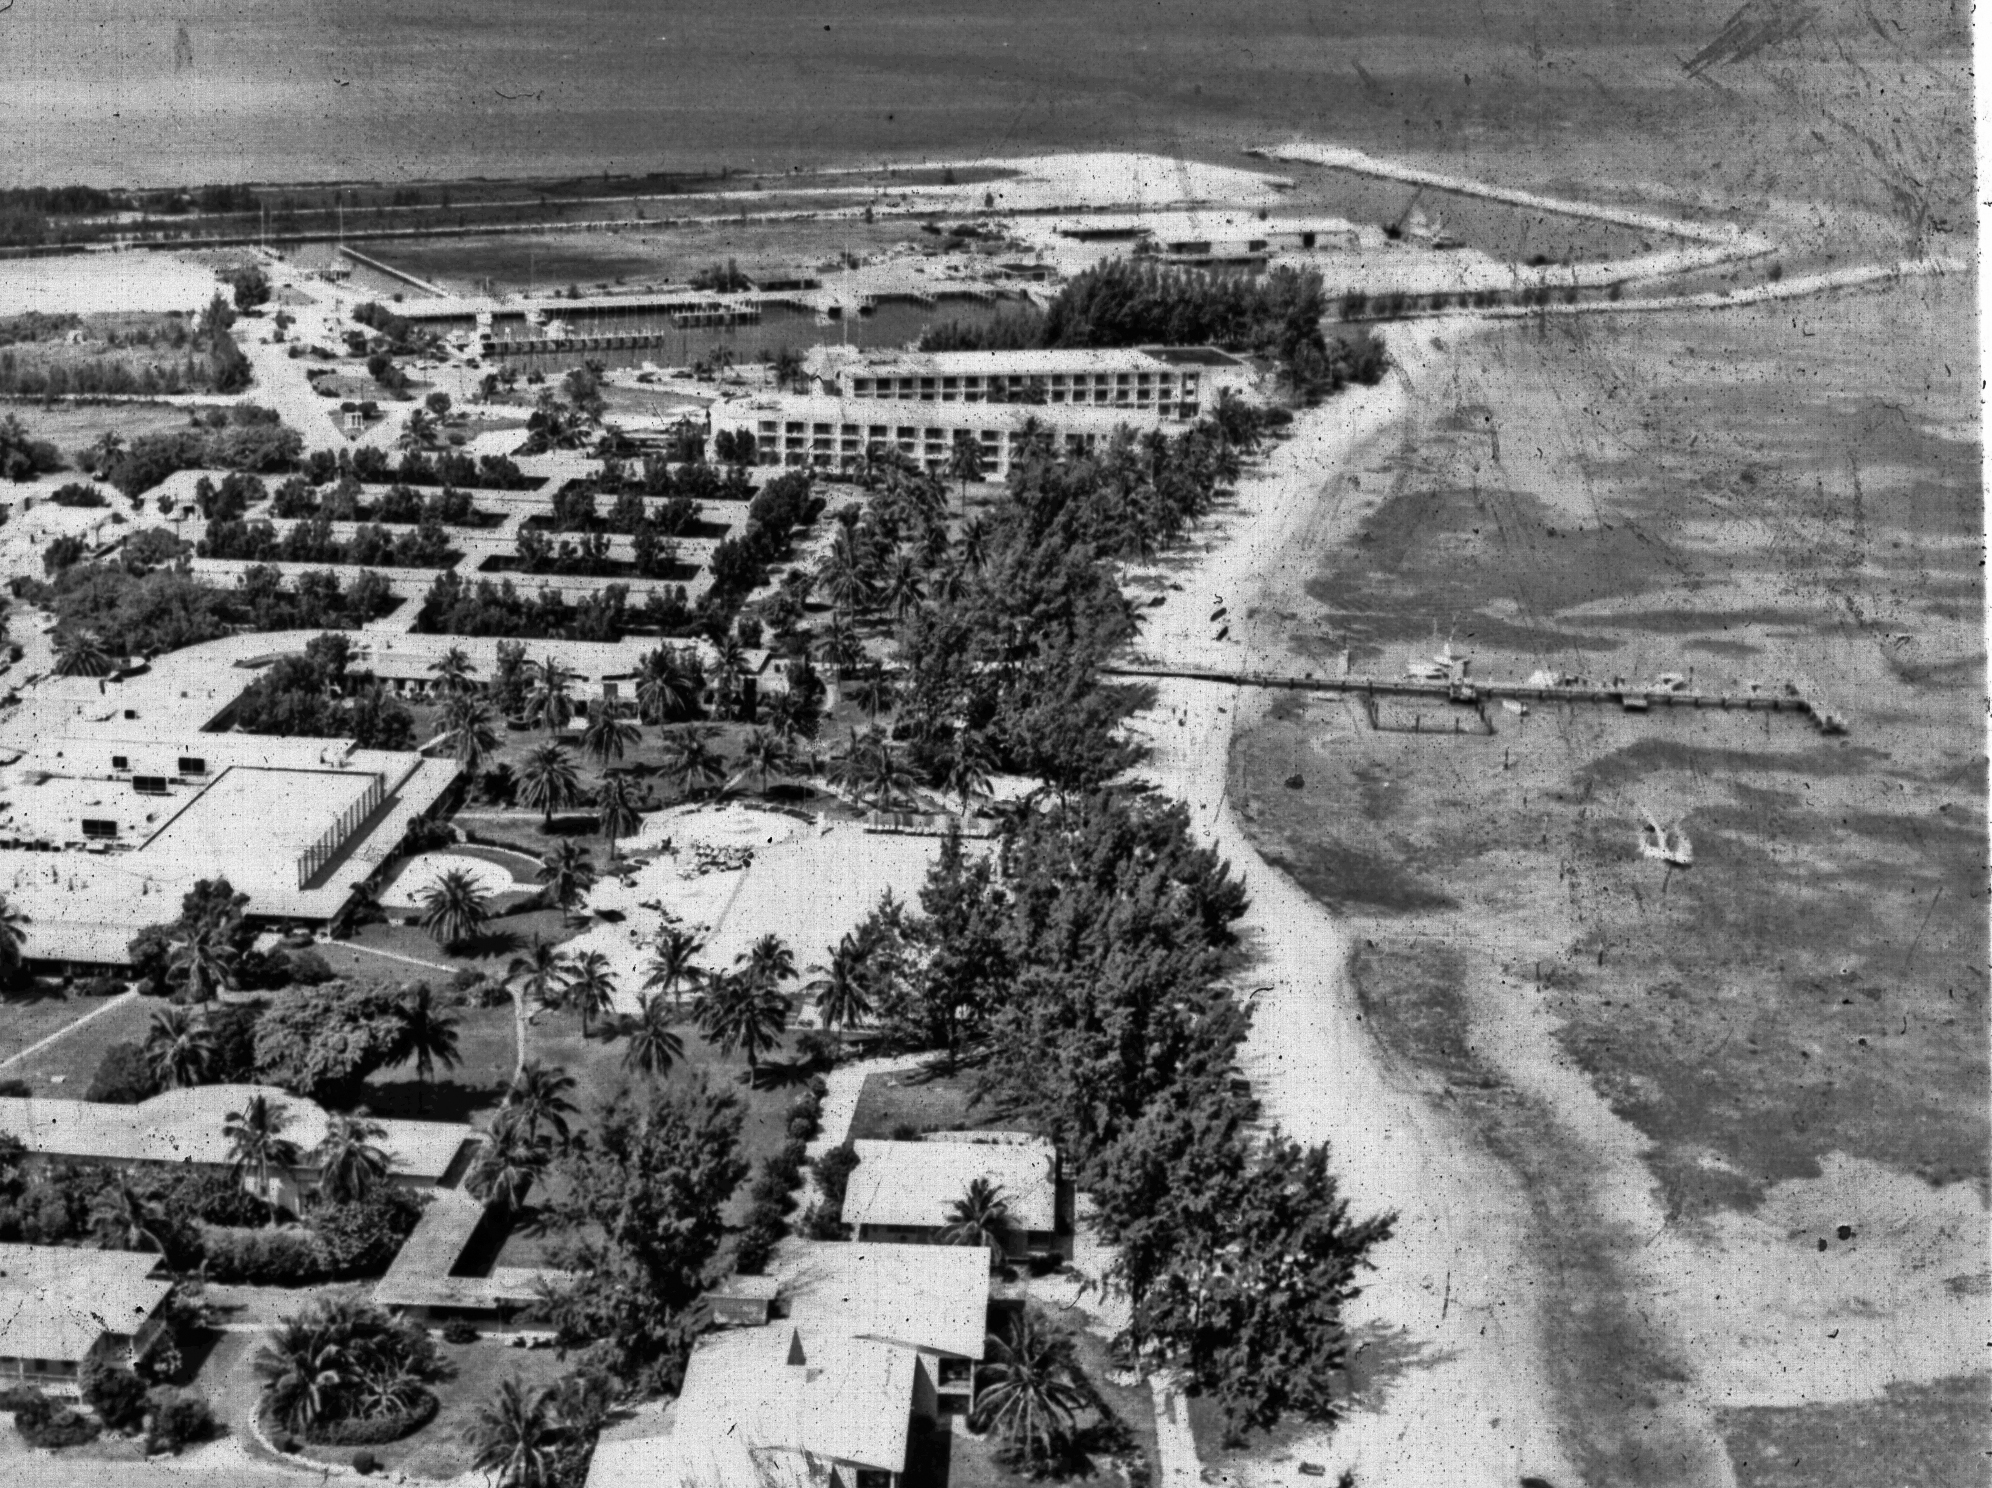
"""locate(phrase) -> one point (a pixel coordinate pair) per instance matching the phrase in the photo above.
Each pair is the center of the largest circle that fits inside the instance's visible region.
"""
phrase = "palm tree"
(123, 1218)
(691, 762)
(469, 718)
(509, 1162)
(874, 693)
(540, 971)
(516, 1437)
(653, 1045)
(1030, 1393)
(419, 432)
(13, 935)
(591, 987)
(538, 1097)
(350, 1163)
(509, 678)
(547, 781)
(607, 735)
(179, 1050)
(426, 1034)
(618, 814)
(838, 646)
(205, 959)
(361, 908)
(256, 1140)
(671, 968)
(981, 1216)
(302, 1369)
(769, 961)
(454, 669)
(78, 653)
(729, 668)
(967, 766)
(548, 703)
(975, 544)
(904, 586)
(568, 873)
(841, 996)
(885, 776)
(742, 1012)
(667, 690)
(845, 574)
(765, 754)
(454, 908)
(965, 462)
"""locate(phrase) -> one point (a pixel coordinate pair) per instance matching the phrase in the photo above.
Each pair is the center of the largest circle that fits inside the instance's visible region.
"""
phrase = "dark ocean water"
(171, 91)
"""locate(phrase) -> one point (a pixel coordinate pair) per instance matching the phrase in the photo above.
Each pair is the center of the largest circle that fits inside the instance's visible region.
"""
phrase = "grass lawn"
(74, 1059)
(925, 1102)
(34, 1010)
(438, 1450)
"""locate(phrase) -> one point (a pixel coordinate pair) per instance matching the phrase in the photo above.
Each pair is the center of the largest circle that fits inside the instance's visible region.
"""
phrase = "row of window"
(905, 385)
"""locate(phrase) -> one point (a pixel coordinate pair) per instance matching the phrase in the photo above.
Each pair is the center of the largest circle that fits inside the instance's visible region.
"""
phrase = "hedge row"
(373, 1431)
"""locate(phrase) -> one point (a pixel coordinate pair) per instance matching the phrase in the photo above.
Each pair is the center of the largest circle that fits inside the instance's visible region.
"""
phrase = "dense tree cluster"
(1124, 302)
(373, 465)
(22, 456)
(456, 606)
(317, 695)
(1008, 644)
(372, 545)
(400, 504)
(210, 361)
(1086, 975)
(245, 437)
(640, 1207)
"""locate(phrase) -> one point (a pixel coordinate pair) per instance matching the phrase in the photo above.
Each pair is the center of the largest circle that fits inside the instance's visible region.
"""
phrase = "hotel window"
(97, 829)
(193, 765)
(149, 785)
(120, 762)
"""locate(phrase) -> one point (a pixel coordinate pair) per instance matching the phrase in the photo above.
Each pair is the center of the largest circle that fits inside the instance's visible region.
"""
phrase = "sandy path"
(1452, 1384)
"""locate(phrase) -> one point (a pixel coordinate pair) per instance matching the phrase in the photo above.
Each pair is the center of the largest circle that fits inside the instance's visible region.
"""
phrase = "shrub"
(216, 1199)
(22, 1397)
(309, 969)
(801, 1128)
(757, 1238)
(79, 493)
(283, 1441)
(123, 1077)
(288, 1257)
(56, 1426)
(365, 1464)
(362, 1239)
(833, 1172)
(795, 1152)
(823, 1221)
(374, 1431)
(459, 1330)
(178, 1420)
(115, 1394)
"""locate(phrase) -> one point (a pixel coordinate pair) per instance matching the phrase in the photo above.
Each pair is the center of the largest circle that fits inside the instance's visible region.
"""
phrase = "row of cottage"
(818, 1375)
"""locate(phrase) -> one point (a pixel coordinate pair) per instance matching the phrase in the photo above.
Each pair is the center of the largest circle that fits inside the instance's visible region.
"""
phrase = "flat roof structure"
(1024, 362)
(271, 830)
(916, 1184)
(187, 1126)
(932, 1297)
(424, 1272)
(57, 1302)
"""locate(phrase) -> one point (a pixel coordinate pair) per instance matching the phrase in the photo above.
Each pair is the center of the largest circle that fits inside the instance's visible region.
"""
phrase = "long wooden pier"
(1631, 699)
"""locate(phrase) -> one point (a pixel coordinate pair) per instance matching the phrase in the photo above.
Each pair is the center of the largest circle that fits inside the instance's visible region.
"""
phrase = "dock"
(1629, 699)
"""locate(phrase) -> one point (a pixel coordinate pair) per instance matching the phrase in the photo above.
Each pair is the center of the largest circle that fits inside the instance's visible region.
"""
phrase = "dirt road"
(1451, 1385)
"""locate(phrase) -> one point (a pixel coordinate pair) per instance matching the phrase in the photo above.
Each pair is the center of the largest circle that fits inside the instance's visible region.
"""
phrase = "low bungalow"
(187, 1130)
(905, 1192)
(61, 1308)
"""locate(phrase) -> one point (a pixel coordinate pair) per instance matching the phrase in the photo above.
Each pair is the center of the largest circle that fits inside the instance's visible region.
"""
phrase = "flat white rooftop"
(186, 1126)
(918, 1183)
(56, 1302)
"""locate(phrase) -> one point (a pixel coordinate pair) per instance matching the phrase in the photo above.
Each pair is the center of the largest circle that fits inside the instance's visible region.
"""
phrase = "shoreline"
(1457, 1389)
